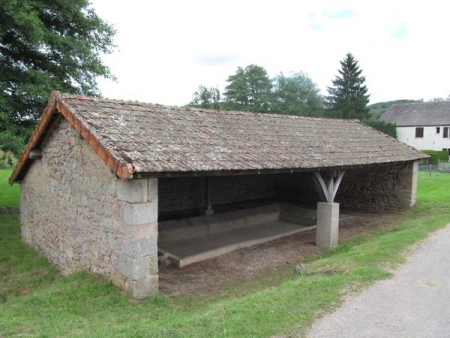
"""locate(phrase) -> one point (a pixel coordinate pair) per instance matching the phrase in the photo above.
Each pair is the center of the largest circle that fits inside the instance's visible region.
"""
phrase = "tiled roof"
(133, 137)
(419, 114)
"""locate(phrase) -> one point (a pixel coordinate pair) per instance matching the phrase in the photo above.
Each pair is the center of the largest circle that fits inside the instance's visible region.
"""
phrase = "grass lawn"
(36, 301)
(9, 195)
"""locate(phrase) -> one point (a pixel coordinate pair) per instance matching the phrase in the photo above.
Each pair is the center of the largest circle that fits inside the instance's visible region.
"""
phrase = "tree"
(206, 98)
(44, 46)
(249, 89)
(383, 126)
(296, 94)
(348, 96)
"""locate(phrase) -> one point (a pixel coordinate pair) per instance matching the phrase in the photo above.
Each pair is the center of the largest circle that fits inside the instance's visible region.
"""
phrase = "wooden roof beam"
(329, 185)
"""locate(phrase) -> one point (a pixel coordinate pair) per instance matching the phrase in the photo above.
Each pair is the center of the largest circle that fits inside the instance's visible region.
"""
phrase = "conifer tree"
(348, 96)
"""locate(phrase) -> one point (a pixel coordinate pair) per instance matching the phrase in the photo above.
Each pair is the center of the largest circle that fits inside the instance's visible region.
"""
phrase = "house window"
(438, 130)
(445, 132)
(419, 132)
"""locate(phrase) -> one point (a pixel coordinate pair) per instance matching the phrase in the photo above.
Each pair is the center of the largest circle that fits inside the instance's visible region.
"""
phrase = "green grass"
(9, 195)
(36, 301)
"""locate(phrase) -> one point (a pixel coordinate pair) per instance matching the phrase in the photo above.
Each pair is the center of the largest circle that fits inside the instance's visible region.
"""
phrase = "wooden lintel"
(170, 174)
(35, 154)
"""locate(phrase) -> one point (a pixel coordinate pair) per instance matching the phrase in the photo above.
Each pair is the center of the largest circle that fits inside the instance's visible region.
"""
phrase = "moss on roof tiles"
(158, 138)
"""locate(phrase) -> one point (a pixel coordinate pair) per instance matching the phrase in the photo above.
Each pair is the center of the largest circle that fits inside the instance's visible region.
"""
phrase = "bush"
(7, 160)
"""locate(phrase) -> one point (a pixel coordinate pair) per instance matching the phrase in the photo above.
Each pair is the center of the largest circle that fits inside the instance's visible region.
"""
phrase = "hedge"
(436, 156)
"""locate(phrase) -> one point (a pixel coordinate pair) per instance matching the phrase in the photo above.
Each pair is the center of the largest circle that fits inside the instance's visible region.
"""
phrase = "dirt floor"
(243, 265)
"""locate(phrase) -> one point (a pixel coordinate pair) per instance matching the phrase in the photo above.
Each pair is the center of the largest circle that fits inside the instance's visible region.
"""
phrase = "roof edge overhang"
(38, 133)
(176, 174)
(55, 108)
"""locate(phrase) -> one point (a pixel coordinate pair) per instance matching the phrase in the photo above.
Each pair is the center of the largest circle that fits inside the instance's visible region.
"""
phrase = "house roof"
(138, 138)
(419, 114)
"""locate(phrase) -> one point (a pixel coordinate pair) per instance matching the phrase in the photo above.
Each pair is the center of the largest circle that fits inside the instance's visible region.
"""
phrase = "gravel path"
(414, 303)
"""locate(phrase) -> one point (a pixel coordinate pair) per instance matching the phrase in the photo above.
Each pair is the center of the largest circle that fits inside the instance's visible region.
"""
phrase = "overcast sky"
(166, 49)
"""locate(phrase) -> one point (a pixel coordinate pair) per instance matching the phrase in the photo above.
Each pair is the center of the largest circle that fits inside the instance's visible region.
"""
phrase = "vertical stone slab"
(327, 231)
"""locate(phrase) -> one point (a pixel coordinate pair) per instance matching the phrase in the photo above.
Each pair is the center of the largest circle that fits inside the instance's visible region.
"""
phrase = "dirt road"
(414, 303)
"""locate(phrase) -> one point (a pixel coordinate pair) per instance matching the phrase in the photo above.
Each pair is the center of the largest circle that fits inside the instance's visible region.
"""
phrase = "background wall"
(381, 188)
(430, 140)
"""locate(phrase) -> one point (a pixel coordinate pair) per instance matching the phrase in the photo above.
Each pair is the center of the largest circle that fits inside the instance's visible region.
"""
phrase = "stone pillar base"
(327, 225)
(142, 289)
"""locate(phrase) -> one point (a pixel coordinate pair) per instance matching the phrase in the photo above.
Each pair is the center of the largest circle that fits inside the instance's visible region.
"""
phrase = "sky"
(166, 49)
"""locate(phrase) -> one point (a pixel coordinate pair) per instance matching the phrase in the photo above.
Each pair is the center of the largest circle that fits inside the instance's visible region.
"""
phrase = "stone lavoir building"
(101, 179)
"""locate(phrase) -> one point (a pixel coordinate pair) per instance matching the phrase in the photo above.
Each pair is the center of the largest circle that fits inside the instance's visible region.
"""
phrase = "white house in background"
(424, 126)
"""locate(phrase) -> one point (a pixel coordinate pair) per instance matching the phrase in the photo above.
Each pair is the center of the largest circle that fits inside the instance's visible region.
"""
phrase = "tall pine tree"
(348, 96)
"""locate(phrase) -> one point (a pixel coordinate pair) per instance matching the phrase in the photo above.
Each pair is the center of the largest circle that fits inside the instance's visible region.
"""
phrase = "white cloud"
(166, 49)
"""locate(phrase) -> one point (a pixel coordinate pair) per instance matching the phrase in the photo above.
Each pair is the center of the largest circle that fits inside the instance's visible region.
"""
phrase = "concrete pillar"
(327, 225)
(414, 178)
(406, 184)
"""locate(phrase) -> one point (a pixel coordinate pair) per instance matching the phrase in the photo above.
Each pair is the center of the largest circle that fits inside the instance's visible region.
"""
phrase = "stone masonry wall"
(384, 188)
(231, 189)
(376, 189)
(190, 192)
(297, 188)
(181, 193)
(79, 215)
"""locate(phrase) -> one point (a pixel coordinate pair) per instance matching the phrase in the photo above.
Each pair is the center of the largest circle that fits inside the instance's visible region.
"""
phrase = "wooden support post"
(328, 213)
(209, 209)
(331, 186)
